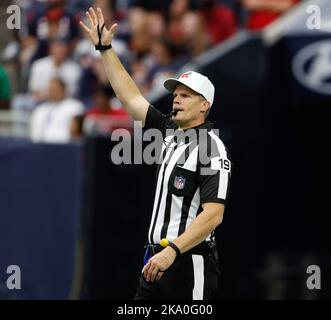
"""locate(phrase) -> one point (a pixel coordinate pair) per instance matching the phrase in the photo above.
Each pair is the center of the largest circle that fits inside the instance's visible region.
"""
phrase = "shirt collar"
(191, 134)
(206, 125)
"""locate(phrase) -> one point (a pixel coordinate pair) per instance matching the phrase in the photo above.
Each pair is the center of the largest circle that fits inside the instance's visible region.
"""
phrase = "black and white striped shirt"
(194, 169)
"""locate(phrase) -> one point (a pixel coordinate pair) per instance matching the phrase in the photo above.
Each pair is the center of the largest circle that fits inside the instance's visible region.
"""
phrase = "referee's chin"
(185, 124)
(179, 121)
(180, 124)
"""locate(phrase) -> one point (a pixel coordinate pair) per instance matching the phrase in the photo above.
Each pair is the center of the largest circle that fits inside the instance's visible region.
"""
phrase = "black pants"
(190, 277)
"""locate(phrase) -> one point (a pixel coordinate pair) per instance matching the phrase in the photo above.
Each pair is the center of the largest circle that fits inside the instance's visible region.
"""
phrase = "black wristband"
(173, 246)
(99, 46)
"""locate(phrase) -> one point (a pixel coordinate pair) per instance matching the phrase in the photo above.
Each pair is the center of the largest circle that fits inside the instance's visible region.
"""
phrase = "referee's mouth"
(176, 110)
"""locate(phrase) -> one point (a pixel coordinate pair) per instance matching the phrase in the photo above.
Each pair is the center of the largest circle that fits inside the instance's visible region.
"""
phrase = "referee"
(192, 178)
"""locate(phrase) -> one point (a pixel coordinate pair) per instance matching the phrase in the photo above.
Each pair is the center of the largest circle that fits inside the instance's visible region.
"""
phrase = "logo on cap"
(186, 75)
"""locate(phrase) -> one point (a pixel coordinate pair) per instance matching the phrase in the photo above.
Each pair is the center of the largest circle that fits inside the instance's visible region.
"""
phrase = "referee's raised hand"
(97, 28)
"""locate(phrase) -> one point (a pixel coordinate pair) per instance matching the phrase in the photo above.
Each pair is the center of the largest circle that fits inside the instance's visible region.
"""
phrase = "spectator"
(165, 62)
(262, 12)
(194, 36)
(76, 127)
(139, 69)
(51, 121)
(47, 22)
(92, 70)
(4, 89)
(105, 116)
(140, 41)
(177, 10)
(220, 20)
(57, 64)
(151, 6)
(92, 74)
(146, 23)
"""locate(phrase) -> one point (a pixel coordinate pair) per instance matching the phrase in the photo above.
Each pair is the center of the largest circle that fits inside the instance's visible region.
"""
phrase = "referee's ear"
(205, 108)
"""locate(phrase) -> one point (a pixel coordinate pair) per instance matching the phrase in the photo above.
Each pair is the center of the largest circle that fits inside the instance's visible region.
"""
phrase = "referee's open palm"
(97, 21)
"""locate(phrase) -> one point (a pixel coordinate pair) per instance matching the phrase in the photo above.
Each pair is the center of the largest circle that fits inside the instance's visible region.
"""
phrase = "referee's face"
(190, 105)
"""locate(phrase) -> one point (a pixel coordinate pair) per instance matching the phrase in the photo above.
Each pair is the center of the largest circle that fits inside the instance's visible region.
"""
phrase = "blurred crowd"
(51, 70)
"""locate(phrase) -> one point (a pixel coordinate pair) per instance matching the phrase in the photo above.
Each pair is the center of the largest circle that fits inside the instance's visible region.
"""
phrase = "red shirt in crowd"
(110, 120)
(259, 19)
(220, 22)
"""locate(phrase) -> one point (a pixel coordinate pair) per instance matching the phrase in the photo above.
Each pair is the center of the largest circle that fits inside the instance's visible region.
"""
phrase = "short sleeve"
(215, 175)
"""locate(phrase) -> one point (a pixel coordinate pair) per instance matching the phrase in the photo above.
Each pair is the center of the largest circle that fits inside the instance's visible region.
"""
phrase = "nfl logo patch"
(179, 183)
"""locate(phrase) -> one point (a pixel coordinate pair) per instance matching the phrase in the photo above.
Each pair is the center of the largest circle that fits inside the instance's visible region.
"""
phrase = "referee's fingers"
(100, 16)
(113, 28)
(94, 16)
(159, 275)
(85, 28)
(90, 18)
(145, 271)
(153, 273)
(146, 268)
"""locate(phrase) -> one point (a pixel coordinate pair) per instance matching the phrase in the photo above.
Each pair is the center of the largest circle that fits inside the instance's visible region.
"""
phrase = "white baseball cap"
(195, 81)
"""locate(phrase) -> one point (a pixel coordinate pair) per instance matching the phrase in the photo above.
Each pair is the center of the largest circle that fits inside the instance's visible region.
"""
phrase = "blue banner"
(39, 213)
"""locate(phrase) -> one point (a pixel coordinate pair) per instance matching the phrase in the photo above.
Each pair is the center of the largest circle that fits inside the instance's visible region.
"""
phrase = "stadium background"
(76, 223)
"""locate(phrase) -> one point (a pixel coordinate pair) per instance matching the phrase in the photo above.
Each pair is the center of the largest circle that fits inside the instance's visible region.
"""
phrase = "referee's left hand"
(97, 20)
(155, 267)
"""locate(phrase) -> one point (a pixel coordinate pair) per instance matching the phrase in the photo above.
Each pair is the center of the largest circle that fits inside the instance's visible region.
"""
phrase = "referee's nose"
(176, 100)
